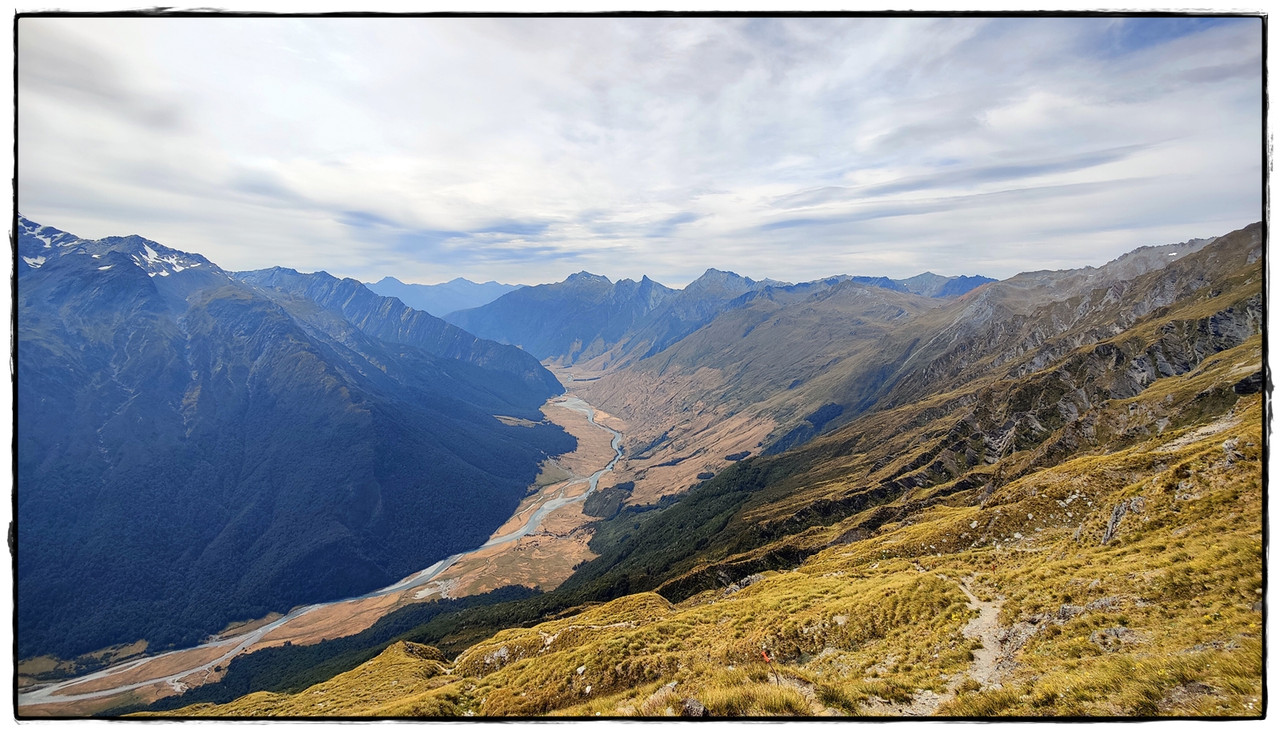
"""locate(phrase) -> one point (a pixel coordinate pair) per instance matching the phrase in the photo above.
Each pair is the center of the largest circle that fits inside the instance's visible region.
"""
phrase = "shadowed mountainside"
(390, 320)
(578, 318)
(193, 450)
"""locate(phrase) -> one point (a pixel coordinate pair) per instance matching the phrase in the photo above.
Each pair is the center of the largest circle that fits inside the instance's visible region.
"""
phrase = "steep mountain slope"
(597, 325)
(776, 340)
(1030, 533)
(441, 299)
(192, 452)
(392, 684)
(388, 319)
(800, 390)
(749, 373)
(578, 318)
(687, 310)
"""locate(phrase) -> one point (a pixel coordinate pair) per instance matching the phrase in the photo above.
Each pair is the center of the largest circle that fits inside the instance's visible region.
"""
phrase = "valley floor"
(537, 547)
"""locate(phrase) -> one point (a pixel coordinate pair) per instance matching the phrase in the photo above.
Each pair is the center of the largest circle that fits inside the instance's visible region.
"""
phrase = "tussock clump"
(754, 700)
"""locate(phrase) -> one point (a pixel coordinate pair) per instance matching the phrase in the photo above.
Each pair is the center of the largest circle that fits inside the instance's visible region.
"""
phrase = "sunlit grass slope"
(1108, 570)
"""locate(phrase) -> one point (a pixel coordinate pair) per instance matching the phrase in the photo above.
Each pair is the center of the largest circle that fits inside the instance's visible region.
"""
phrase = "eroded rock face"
(1131, 505)
(1254, 383)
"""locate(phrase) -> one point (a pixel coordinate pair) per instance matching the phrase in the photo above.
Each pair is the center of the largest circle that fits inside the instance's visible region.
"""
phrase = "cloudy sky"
(526, 149)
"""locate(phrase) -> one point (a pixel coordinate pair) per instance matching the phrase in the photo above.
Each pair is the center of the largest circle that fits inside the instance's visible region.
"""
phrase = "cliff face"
(388, 319)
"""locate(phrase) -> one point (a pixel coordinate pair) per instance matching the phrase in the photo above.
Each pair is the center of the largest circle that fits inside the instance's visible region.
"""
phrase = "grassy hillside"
(885, 625)
(855, 349)
(1067, 520)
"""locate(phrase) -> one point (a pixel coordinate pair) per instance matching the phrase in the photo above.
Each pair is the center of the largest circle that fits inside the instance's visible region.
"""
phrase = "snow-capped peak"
(163, 265)
(157, 260)
(39, 243)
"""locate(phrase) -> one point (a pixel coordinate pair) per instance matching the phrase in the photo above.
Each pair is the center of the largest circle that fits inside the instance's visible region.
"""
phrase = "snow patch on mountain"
(38, 244)
(163, 265)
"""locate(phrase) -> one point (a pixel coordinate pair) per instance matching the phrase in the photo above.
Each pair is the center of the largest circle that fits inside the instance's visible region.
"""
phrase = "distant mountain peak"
(34, 239)
(586, 276)
(154, 258)
(717, 274)
(925, 284)
(458, 293)
(720, 279)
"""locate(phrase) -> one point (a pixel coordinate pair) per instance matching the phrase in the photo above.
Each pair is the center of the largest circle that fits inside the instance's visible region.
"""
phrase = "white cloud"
(525, 149)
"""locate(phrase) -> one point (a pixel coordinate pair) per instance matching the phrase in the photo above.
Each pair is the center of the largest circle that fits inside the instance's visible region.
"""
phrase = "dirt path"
(984, 627)
(985, 669)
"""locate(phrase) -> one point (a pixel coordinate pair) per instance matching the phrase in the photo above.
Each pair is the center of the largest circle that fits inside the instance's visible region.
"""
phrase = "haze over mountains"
(197, 447)
(441, 299)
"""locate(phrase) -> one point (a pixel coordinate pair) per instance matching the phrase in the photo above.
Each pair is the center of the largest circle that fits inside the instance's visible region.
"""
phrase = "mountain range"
(441, 299)
(1013, 512)
(588, 317)
(850, 496)
(196, 447)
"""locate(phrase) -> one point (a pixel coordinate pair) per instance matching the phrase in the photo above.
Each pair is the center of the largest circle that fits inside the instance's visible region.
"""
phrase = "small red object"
(766, 656)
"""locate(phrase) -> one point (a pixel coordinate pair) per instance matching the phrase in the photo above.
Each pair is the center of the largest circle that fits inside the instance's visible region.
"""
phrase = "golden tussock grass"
(1161, 619)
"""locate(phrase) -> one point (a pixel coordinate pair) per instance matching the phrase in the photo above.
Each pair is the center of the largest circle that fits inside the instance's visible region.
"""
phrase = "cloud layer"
(524, 149)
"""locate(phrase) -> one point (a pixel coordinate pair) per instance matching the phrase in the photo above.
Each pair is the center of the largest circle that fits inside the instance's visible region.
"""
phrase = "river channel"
(59, 692)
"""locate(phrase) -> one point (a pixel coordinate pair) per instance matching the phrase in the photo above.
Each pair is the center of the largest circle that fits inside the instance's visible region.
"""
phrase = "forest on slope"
(193, 449)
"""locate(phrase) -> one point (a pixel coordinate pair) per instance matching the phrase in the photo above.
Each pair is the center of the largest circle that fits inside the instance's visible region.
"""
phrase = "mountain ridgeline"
(441, 299)
(578, 318)
(1008, 504)
(588, 317)
(390, 320)
(196, 447)
(813, 357)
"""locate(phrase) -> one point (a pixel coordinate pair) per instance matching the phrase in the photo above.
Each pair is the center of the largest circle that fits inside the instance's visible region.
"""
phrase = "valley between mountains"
(857, 496)
(517, 558)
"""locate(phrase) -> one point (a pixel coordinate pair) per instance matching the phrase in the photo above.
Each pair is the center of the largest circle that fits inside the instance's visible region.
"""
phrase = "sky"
(525, 149)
